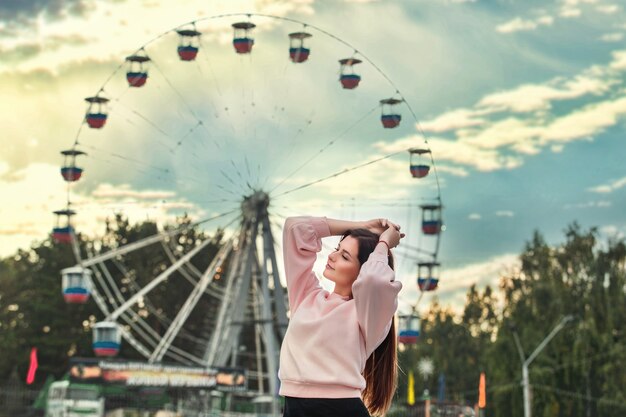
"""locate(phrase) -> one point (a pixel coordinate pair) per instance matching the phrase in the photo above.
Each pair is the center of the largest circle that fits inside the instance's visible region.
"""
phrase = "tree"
(34, 314)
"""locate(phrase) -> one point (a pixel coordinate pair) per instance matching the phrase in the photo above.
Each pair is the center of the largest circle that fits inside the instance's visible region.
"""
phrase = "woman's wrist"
(385, 243)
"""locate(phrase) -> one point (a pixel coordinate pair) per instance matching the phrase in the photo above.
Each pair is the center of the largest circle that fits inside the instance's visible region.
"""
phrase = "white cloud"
(608, 8)
(619, 60)
(518, 24)
(452, 120)
(612, 37)
(474, 216)
(537, 97)
(613, 231)
(510, 131)
(458, 152)
(489, 137)
(578, 2)
(570, 12)
(589, 204)
(28, 215)
(505, 213)
(124, 192)
(585, 122)
(32, 49)
(454, 282)
(608, 188)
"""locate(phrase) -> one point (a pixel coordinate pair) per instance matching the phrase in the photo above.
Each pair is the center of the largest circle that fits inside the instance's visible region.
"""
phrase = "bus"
(67, 399)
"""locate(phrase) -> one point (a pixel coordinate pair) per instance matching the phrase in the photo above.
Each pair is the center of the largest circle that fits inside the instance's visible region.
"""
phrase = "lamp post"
(527, 361)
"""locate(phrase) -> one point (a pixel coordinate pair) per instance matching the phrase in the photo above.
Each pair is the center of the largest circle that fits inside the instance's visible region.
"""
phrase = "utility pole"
(526, 362)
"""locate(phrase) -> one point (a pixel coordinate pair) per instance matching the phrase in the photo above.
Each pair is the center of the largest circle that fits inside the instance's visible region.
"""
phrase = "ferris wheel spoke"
(148, 241)
(333, 141)
(156, 281)
(131, 317)
(142, 349)
(191, 302)
(337, 174)
(216, 293)
(149, 122)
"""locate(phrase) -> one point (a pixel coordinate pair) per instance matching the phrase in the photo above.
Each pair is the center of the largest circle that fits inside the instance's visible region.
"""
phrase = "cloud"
(454, 282)
(613, 231)
(458, 152)
(585, 122)
(504, 127)
(285, 7)
(505, 213)
(29, 11)
(619, 61)
(608, 8)
(608, 188)
(474, 216)
(124, 191)
(569, 12)
(28, 215)
(612, 37)
(538, 97)
(589, 204)
(452, 120)
(518, 24)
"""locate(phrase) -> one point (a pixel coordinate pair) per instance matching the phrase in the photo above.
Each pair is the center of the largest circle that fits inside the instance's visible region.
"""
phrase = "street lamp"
(527, 361)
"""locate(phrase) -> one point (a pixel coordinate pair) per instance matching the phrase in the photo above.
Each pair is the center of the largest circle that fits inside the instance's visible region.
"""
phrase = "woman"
(338, 357)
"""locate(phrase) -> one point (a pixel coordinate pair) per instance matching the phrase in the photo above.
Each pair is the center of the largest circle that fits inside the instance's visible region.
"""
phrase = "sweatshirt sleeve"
(301, 242)
(375, 293)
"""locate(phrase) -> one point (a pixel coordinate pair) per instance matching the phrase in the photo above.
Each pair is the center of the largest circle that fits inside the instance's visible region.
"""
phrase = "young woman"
(338, 357)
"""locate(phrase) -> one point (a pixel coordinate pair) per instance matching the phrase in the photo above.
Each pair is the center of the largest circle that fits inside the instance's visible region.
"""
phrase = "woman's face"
(343, 265)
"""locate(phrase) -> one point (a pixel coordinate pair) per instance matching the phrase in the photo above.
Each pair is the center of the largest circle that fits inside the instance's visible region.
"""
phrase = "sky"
(521, 103)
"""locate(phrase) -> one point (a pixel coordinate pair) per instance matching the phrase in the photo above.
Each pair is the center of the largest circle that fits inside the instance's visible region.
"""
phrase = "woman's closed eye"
(343, 254)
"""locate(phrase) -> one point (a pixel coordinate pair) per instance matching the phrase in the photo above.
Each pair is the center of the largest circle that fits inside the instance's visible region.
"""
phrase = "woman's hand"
(392, 236)
(378, 226)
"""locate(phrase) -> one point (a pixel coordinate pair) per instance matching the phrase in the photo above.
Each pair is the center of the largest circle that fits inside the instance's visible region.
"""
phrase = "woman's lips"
(329, 267)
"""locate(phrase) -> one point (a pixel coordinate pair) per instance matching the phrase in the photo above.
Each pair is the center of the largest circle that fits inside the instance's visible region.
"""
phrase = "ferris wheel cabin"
(188, 46)
(389, 117)
(137, 75)
(431, 219)
(63, 231)
(409, 329)
(107, 338)
(418, 163)
(428, 276)
(96, 115)
(241, 39)
(76, 283)
(297, 51)
(348, 78)
(69, 171)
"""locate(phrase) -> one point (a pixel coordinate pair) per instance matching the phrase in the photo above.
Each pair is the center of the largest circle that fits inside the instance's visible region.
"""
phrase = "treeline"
(581, 372)
(33, 312)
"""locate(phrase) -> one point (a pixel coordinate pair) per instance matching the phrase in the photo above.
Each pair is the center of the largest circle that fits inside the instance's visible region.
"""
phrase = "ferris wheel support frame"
(252, 270)
(190, 303)
(156, 281)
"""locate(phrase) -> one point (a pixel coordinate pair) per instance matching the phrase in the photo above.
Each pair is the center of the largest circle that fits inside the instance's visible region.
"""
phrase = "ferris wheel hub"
(255, 205)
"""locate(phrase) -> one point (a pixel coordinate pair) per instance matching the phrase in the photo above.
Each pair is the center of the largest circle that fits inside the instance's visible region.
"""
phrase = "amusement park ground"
(23, 402)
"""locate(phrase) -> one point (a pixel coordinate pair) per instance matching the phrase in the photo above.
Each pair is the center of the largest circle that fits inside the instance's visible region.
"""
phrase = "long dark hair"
(381, 368)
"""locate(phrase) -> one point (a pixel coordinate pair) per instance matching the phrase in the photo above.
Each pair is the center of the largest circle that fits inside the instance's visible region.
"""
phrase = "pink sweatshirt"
(330, 337)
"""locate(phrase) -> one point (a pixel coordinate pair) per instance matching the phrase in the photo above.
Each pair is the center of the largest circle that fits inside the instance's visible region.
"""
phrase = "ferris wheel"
(253, 118)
